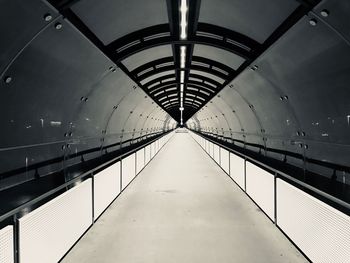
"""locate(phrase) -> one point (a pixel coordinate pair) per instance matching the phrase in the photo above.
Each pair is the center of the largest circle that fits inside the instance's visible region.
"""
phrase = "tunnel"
(174, 131)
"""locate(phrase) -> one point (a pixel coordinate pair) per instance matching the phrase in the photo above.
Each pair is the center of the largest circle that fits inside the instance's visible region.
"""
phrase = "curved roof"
(144, 39)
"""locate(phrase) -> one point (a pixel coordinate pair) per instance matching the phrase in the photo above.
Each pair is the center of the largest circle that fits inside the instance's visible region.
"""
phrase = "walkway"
(182, 208)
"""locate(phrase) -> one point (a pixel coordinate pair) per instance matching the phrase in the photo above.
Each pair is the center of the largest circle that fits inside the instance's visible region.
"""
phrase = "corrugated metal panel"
(260, 187)
(140, 160)
(152, 150)
(320, 231)
(6, 245)
(106, 188)
(202, 142)
(147, 154)
(157, 146)
(216, 153)
(128, 170)
(225, 160)
(49, 231)
(237, 169)
(161, 142)
(210, 149)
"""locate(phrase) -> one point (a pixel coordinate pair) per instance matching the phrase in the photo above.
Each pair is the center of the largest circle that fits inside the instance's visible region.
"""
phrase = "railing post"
(15, 239)
(121, 174)
(275, 196)
(245, 174)
(93, 197)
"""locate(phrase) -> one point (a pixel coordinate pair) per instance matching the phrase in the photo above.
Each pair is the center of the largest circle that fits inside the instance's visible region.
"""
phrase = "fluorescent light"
(183, 23)
(182, 88)
(183, 56)
(182, 77)
(181, 117)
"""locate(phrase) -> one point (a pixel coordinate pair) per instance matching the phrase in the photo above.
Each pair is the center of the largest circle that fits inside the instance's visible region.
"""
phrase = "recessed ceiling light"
(183, 22)
(182, 56)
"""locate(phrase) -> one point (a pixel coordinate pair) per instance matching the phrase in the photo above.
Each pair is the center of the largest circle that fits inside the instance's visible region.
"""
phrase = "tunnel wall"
(292, 103)
(61, 97)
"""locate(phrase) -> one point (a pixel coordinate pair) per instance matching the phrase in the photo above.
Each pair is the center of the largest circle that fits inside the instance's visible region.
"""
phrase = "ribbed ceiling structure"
(182, 52)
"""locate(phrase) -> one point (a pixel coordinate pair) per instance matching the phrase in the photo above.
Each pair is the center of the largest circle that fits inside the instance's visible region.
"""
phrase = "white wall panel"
(260, 187)
(237, 169)
(154, 147)
(152, 150)
(106, 188)
(157, 146)
(320, 231)
(206, 146)
(147, 154)
(140, 160)
(49, 231)
(225, 160)
(128, 169)
(211, 149)
(216, 153)
(6, 245)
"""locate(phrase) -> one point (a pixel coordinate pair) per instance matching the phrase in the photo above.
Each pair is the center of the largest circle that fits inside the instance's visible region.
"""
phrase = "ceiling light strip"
(183, 57)
(183, 23)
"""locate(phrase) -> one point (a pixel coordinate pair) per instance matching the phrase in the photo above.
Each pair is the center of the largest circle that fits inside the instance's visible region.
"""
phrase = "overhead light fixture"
(181, 117)
(183, 23)
(181, 87)
(182, 76)
(182, 56)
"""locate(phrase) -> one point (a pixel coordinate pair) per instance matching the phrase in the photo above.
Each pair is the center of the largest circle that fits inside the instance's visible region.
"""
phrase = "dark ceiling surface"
(84, 74)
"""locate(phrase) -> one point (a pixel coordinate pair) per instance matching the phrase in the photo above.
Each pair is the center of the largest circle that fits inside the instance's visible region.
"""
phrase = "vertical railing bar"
(229, 164)
(93, 197)
(15, 238)
(245, 174)
(121, 175)
(275, 196)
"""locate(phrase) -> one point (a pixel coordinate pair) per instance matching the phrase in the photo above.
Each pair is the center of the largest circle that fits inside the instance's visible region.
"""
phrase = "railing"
(333, 166)
(75, 180)
(35, 167)
(12, 217)
(331, 200)
(308, 216)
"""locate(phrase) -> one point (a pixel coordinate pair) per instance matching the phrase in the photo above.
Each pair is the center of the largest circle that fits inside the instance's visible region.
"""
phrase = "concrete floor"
(183, 208)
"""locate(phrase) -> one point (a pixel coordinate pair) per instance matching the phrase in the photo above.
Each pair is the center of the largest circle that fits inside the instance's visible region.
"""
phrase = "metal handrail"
(337, 167)
(280, 173)
(76, 179)
(36, 166)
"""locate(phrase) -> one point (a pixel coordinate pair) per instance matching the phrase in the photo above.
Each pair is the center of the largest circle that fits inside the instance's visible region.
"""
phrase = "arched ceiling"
(210, 43)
